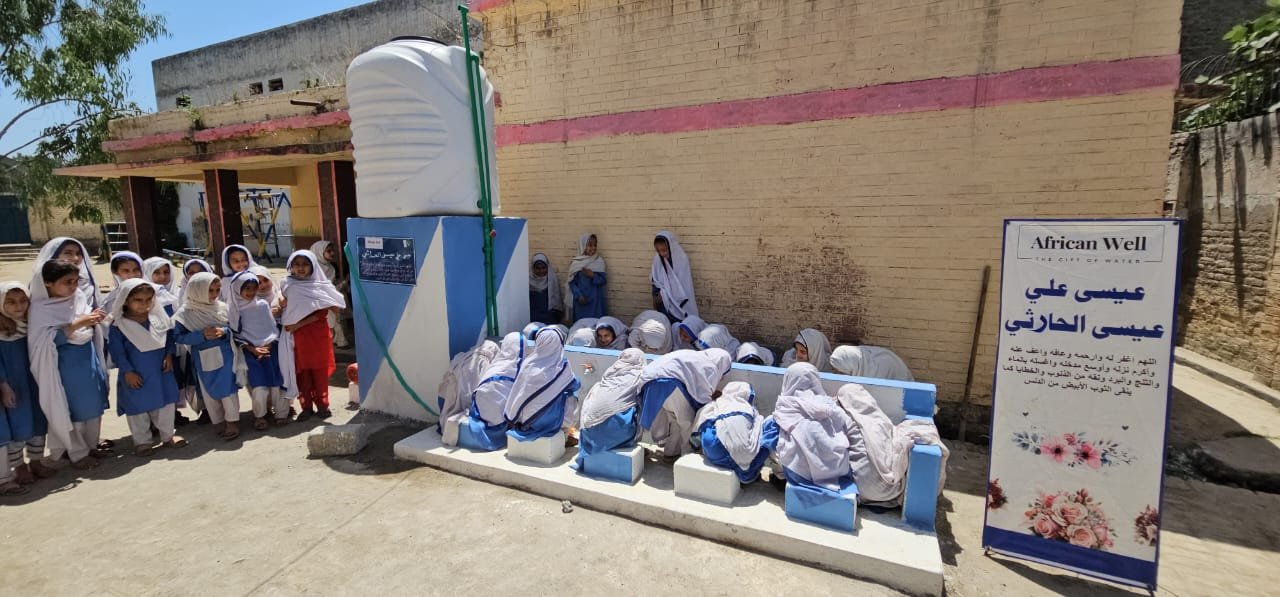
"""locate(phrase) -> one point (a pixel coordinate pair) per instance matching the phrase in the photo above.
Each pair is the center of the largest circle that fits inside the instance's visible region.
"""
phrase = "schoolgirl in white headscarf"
(870, 361)
(584, 294)
(672, 278)
(465, 372)
(218, 367)
(303, 297)
(733, 435)
(650, 332)
(72, 251)
(118, 260)
(166, 295)
(813, 446)
(674, 387)
(230, 268)
(717, 336)
(811, 346)
(489, 400)
(545, 300)
(615, 333)
(879, 450)
(610, 419)
(751, 353)
(256, 334)
(321, 249)
(543, 398)
(684, 335)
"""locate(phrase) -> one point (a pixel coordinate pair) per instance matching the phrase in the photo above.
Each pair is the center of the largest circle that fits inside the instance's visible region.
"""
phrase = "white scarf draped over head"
(585, 337)
(617, 390)
(619, 332)
(751, 349)
(674, 278)
(543, 376)
(19, 323)
(879, 450)
(718, 336)
(870, 361)
(186, 277)
(490, 395)
(549, 282)
(582, 261)
(303, 296)
(692, 325)
(147, 338)
(740, 433)
(650, 332)
(47, 316)
(317, 248)
(699, 371)
(165, 295)
(588, 323)
(198, 312)
(49, 252)
(108, 303)
(271, 295)
(251, 319)
(812, 438)
(464, 374)
(227, 272)
(818, 347)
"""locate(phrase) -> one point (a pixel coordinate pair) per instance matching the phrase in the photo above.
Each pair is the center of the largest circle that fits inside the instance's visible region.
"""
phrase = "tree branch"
(31, 109)
(56, 130)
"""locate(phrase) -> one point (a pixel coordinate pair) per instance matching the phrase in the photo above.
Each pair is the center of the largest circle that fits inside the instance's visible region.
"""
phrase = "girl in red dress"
(306, 344)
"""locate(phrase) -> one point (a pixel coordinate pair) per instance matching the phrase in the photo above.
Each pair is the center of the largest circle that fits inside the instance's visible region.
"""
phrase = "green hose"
(357, 287)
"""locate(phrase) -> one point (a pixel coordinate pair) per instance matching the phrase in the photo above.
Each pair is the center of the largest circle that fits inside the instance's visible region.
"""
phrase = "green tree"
(1251, 86)
(70, 53)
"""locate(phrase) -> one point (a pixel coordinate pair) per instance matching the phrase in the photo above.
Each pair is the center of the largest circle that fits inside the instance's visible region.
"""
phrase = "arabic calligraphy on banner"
(1081, 394)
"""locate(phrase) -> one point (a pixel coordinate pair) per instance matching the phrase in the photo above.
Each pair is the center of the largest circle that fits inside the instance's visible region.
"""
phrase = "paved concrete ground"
(255, 516)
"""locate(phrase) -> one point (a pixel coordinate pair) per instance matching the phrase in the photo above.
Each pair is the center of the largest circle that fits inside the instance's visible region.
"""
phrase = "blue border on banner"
(1099, 564)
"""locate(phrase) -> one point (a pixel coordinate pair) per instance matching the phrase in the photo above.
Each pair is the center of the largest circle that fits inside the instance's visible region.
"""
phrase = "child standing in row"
(327, 256)
(202, 324)
(255, 333)
(66, 359)
(142, 347)
(306, 346)
(159, 272)
(235, 259)
(125, 265)
(26, 422)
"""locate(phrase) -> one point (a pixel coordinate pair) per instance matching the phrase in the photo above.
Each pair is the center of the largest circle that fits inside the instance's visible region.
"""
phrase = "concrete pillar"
(222, 211)
(337, 203)
(139, 198)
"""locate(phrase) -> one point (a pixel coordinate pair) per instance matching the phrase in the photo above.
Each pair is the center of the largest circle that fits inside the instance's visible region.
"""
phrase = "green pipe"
(478, 128)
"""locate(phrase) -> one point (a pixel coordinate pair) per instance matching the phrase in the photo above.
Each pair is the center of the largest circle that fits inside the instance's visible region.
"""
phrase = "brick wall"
(1228, 188)
(866, 212)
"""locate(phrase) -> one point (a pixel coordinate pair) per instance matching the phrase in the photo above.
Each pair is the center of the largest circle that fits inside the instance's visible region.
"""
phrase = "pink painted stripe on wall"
(1011, 87)
(483, 5)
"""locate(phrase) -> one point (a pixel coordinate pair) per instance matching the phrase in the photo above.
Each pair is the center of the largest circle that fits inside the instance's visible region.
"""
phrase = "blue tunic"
(717, 454)
(540, 311)
(159, 388)
(221, 381)
(490, 437)
(83, 379)
(619, 431)
(593, 290)
(546, 422)
(26, 420)
(264, 373)
(654, 394)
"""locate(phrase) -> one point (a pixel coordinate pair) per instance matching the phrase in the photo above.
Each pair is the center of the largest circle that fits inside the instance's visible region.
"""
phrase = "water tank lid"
(417, 38)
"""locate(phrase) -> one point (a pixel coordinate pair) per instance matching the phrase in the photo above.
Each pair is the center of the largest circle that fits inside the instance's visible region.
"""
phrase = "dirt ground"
(257, 516)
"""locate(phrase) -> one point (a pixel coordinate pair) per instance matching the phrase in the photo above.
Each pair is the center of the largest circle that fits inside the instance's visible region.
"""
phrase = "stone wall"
(830, 164)
(1226, 183)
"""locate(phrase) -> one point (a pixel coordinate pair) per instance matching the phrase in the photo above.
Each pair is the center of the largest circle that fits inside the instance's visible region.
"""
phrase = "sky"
(192, 24)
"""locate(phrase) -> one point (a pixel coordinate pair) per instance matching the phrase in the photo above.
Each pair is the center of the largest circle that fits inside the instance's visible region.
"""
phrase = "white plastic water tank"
(415, 152)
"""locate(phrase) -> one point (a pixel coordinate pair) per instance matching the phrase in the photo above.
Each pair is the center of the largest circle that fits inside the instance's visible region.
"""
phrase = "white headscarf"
(47, 316)
(251, 319)
(617, 390)
(271, 295)
(718, 336)
(588, 323)
(870, 361)
(699, 371)
(549, 282)
(619, 332)
(19, 324)
(145, 339)
(650, 332)
(49, 252)
(740, 435)
(812, 439)
(816, 344)
(197, 311)
(108, 303)
(879, 450)
(226, 261)
(693, 325)
(186, 277)
(302, 298)
(328, 268)
(490, 395)
(674, 279)
(544, 375)
(751, 349)
(165, 295)
(464, 374)
(585, 337)
(582, 261)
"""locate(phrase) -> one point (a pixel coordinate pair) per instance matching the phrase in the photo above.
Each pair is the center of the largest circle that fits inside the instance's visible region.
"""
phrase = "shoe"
(204, 418)
(304, 415)
(324, 413)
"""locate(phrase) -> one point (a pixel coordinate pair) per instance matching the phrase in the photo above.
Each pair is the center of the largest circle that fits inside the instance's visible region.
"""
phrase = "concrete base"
(449, 430)
(882, 549)
(545, 450)
(697, 479)
(808, 505)
(1237, 378)
(615, 465)
(337, 440)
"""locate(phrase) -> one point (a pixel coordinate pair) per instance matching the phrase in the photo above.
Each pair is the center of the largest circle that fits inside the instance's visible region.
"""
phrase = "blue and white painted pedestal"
(422, 279)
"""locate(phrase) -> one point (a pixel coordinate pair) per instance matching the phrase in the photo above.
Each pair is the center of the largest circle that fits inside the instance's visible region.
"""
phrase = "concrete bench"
(899, 400)
(624, 465)
(544, 450)
(809, 505)
(698, 479)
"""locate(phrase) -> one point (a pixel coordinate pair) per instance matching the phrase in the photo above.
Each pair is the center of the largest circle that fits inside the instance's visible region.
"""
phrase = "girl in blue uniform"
(201, 323)
(159, 272)
(27, 425)
(65, 346)
(255, 334)
(142, 347)
(587, 280)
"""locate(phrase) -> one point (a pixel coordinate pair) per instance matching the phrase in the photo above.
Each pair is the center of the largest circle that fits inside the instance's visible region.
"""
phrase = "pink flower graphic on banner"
(1055, 449)
(1087, 454)
(1146, 527)
(1070, 438)
(1070, 517)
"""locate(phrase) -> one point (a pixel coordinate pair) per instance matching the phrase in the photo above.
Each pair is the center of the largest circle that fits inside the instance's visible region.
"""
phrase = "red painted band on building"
(1011, 87)
(232, 131)
(483, 5)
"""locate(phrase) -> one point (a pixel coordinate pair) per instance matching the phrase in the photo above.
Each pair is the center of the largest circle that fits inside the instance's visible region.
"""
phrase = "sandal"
(323, 414)
(230, 435)
(176, 442)
(260, 424)
(12, 488)
(106, 444)
(282, 422)
(86, 463)
(304, 415)
(144, 451)
(22, 475)
(41, 470)
(102, 453)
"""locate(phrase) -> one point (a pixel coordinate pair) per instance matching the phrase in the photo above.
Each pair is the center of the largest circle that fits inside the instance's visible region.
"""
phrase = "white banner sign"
(1082, 394)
